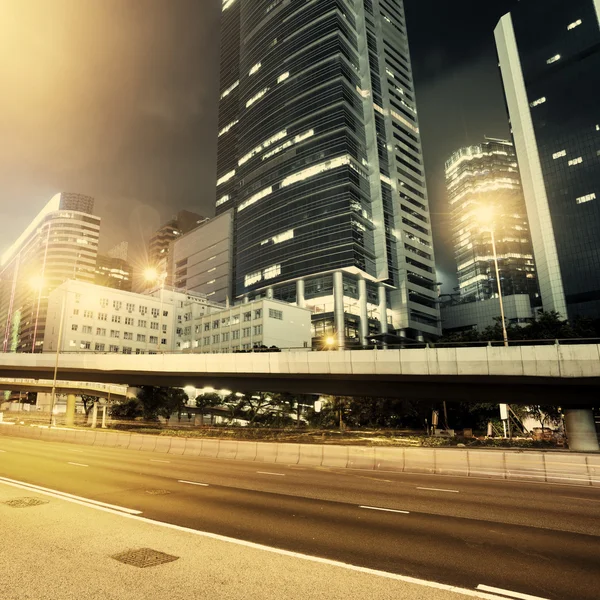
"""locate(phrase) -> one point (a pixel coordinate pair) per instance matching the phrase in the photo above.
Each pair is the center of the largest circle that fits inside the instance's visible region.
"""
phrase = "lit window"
(272, 271)
(278, 136)
(222, 200)
(316, 170)
(574, 24)
(255, 68)
(559, 154)
(255, 198)
(538, 102)
(584, 199)
(256, 97)
(252, 278)
(575, 161)
(283, 77)
(229, 89)
(226, 177)
(228, 127)
(553, 59)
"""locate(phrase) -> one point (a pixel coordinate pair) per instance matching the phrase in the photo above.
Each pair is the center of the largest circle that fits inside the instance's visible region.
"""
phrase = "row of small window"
(100, 347)
(235, 335)
(99, 330)
(89, 314)
(234, 320)
(117, 305)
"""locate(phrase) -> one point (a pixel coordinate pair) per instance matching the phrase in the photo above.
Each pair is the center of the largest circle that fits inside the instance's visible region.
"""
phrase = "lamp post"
(486, 217)
(58, 344)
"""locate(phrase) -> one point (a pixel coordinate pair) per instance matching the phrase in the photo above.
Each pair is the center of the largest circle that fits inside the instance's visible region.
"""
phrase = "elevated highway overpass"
(566, 375)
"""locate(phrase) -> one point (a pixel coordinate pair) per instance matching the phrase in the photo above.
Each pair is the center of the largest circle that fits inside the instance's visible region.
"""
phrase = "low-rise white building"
(100, 319)
(262, 322)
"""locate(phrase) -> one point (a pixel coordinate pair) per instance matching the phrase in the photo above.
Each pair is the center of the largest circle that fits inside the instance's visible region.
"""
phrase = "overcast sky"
(118, 99)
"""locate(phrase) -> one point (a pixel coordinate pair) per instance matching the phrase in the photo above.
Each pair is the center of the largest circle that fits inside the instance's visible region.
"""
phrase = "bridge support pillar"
(70, 415)
(364, 316)
(300, 300)
(338, 308)
(581, 431)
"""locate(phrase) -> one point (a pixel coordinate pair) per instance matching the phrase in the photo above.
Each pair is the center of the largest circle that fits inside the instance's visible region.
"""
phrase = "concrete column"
(94, 415)
(270, 293)
(245, 300)
(382, 309)
(338, 307)
(581, 431)
(364, 317)
(104, 408)
(300, 301)
(70, 416)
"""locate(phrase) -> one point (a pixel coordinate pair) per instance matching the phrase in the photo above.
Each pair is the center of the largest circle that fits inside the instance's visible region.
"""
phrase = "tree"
(88, 402)
(545, 414)
(152, 400)
(204, 401)
(173, 401)
(128, 409)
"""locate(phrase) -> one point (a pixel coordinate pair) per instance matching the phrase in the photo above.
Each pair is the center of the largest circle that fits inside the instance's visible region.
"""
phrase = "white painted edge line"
(269, 473)
(404, 512)
(437, 490)
(488, 588)
(131, 514)
(192, 482)
(77, 464)
(69, 497)
(161, 461)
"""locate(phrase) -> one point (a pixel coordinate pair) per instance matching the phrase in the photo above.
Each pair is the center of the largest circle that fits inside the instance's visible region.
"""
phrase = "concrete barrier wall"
(515, 465)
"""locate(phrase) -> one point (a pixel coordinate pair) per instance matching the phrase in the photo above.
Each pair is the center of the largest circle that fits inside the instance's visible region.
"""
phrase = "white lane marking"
(269, 473)
(192, 482)
(488, 588)
(130, 514)
(437, 490)
(162, 461)
(69, 497)
(72, 450)
(404, 512)
(2, 450)
(78, 464)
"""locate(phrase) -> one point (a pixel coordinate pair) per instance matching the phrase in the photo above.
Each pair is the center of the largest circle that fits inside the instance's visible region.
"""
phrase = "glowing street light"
(151, 274)
(486, 216)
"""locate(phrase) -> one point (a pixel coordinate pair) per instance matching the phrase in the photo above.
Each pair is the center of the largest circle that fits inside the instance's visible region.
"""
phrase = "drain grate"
(157, 492)
(24, 502)
(144, 557)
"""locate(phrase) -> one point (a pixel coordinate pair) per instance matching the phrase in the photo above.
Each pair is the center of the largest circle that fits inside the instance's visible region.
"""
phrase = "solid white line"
(129, 514)
(69, 497)
(404, 512)
(269, 473)
(437, 490)
(162, 461)
(78, 464)
(192, 482)
(488, 588)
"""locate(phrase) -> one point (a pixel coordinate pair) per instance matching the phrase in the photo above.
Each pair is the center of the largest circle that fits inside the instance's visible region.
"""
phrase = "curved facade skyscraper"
(320, 159)
(61, 243)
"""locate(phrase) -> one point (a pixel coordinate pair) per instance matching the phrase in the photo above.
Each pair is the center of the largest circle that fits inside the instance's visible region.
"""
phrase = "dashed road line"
(269, 473)
(192, 482)
(161, 461)
(404, 512)
(509, 593)
(437, 490)
(77, 464)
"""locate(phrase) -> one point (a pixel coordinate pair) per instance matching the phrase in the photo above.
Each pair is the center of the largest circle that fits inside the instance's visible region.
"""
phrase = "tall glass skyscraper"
(320, 157)
(486, 176)
(549, 52)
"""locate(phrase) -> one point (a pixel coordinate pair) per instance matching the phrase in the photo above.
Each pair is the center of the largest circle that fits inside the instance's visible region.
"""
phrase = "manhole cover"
(157, 492)
(24, 502)
(144, 557)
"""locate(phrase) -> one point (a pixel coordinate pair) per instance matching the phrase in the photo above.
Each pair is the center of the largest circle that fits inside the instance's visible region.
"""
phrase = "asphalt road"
(528, 538)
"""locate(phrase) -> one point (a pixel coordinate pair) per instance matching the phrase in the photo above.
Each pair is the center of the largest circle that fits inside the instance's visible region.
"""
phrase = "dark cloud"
(110, 98)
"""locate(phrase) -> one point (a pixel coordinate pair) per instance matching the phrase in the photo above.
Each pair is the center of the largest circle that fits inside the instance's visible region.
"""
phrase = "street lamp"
(36, 283)
(329, 342)
(486, 216)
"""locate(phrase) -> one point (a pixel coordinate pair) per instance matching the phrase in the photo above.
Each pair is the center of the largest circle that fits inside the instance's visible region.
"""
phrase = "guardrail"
(408, 345)
(513, 465)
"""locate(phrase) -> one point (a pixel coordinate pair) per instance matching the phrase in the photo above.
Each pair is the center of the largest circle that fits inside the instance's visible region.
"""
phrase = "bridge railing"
(405, 345)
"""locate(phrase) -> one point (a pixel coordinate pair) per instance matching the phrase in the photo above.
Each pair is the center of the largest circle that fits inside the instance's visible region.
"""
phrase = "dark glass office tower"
(549, 52)
(320, 157)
